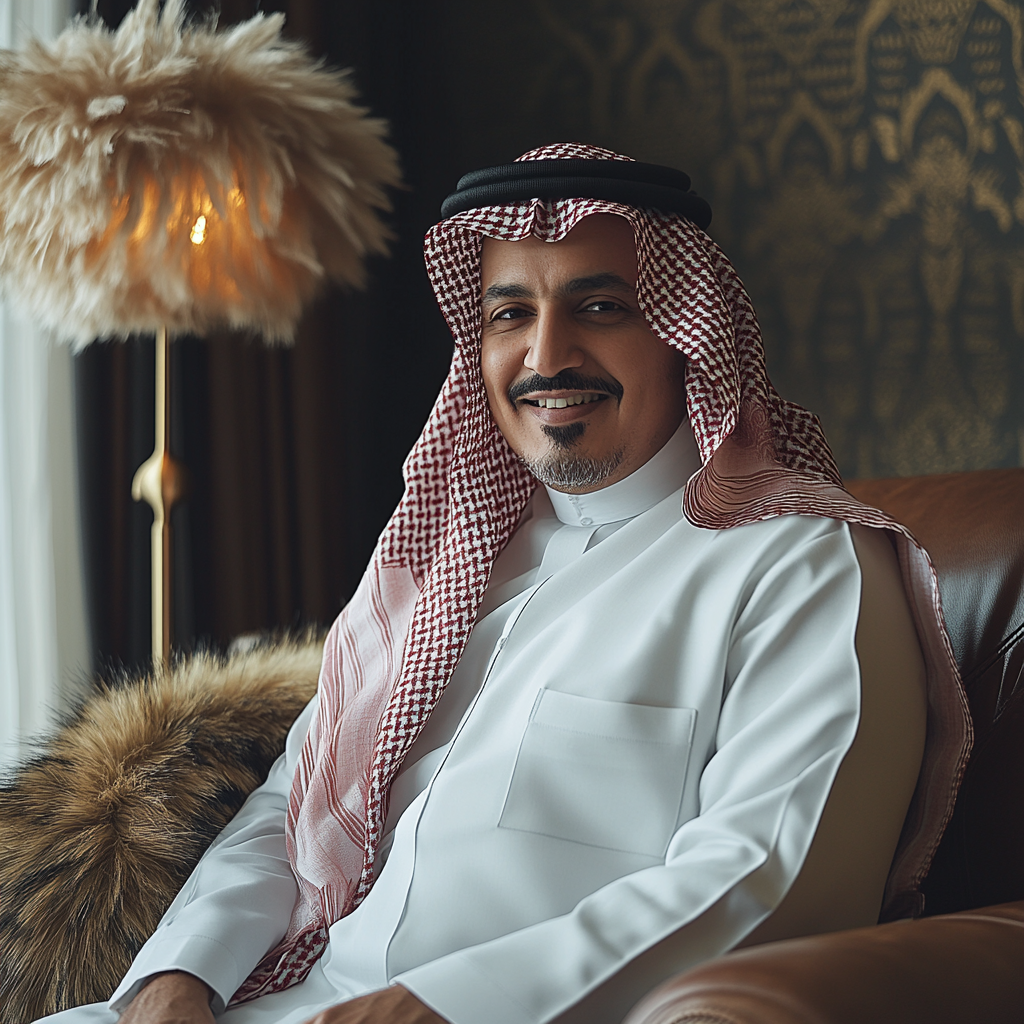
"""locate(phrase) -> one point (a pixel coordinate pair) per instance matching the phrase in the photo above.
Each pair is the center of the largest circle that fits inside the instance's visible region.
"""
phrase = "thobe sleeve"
(238, 900)
(789, 715)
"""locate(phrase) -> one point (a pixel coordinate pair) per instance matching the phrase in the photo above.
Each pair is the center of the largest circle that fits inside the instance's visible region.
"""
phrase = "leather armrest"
(953, 969)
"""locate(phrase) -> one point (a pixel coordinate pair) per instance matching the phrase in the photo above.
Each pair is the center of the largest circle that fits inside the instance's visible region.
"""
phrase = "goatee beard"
(562, 469)
(565, 470)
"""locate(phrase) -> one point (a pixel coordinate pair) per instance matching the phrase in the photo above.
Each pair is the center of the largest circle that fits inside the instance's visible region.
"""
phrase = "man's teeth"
(562, 403)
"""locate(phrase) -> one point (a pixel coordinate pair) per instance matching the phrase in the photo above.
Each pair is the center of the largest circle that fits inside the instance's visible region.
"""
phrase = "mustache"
(567, 380)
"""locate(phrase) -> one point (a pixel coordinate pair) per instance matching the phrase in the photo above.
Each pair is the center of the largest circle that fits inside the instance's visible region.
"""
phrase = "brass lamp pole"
(161, 481)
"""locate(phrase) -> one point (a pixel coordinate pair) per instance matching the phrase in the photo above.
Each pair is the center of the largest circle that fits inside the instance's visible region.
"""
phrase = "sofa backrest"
(972, 525)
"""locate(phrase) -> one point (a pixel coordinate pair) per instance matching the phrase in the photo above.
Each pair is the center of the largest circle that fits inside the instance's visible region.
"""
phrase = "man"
(569, 740)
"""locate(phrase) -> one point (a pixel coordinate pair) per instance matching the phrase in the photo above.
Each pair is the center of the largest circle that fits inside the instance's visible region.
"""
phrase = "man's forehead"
(599, 251)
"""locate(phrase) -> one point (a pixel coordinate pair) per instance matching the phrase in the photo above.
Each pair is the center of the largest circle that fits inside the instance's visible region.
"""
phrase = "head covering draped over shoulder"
(393, 649)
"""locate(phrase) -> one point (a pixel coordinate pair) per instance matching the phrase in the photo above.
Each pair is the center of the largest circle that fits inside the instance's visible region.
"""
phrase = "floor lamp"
(169, 177)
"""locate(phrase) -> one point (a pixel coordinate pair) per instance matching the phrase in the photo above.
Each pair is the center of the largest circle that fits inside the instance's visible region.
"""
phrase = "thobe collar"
(666, 471)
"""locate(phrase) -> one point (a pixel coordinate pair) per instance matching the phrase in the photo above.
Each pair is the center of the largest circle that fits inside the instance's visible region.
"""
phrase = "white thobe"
(623, 778)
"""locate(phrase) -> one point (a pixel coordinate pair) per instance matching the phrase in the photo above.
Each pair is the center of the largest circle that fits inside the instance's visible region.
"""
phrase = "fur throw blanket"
(102, 827)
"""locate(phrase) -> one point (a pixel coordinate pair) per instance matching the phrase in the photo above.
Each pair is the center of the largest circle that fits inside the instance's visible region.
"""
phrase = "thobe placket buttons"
(575, 502)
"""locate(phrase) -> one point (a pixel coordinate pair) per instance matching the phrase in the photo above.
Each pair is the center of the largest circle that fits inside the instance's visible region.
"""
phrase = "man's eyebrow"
(595, 282)
(507, 291)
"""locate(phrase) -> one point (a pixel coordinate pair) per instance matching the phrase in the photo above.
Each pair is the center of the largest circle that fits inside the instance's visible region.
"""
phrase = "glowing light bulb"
(198, 235)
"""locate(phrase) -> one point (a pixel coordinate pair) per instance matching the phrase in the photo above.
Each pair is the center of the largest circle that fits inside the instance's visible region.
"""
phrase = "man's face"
(578, 384)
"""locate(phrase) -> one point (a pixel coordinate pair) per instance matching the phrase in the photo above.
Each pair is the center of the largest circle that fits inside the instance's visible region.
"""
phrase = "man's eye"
(510, 314)
(603, 306)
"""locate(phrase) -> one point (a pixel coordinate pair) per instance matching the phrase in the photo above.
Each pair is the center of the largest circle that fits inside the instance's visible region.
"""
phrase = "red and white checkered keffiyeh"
(394, 647)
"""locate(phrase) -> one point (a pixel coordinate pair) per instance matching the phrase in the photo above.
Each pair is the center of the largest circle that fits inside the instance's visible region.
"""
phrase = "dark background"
(864, 161)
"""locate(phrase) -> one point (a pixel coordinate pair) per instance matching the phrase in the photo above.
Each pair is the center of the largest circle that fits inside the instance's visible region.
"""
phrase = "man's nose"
(553, 347)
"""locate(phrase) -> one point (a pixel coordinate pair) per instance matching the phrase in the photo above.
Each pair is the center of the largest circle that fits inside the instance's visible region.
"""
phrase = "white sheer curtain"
(44, 647)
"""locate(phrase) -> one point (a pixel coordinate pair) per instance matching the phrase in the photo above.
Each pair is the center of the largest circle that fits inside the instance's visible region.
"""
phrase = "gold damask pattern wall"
(865, 159)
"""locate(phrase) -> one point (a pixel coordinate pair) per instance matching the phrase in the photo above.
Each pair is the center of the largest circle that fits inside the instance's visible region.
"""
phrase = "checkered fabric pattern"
(393, 649)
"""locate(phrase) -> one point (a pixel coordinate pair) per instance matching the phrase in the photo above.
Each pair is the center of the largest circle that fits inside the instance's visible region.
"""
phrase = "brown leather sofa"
(959, 964)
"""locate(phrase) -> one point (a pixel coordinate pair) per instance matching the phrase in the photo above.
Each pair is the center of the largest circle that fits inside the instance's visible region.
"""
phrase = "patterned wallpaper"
(865, 160)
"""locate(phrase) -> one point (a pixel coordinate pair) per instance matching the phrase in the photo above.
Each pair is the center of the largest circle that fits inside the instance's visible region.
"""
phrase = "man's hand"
(171, 998)
(395, 1005)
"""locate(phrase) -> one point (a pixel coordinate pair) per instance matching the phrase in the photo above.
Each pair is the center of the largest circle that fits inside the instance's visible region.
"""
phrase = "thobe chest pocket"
(600, 772)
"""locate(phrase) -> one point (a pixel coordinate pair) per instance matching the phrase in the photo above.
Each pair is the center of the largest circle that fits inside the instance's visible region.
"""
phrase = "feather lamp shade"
(168, 174)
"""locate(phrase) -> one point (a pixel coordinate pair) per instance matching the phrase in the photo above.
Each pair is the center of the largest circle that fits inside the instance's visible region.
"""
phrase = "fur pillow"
(100, 829)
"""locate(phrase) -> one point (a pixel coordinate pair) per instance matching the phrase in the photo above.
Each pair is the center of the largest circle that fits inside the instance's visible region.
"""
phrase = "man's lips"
(561, 399)
(554, 408)
(565, 398)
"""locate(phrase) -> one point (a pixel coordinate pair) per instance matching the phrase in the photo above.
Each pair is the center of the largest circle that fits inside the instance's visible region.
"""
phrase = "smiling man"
(629, 682)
